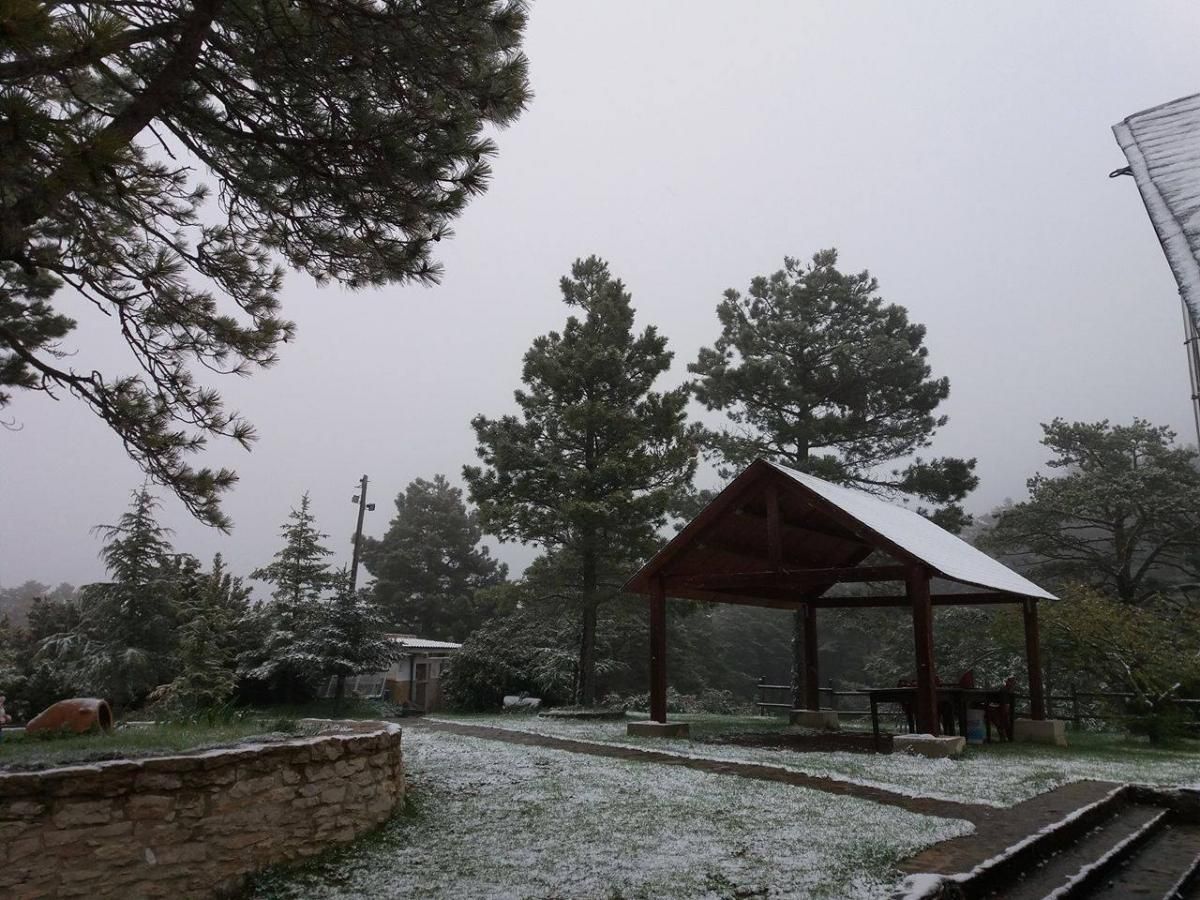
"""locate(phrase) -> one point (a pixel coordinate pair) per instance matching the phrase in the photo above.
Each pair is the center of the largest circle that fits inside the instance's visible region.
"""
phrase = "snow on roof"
(950, 556)
(408, 642)
(1162, 145)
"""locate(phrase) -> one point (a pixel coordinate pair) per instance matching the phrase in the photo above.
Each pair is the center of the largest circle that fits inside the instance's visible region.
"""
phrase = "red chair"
(999, 712)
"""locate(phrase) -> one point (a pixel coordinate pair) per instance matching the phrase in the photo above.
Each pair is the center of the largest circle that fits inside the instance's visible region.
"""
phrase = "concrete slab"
(1041, 731)
(817, 719)
(658, 729)
(934, 747)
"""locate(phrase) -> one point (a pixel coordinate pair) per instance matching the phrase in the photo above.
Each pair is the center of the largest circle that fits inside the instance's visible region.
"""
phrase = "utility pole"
(361, 499)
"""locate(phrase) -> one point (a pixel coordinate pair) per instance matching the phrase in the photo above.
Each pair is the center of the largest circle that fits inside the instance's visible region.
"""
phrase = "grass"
(488, 819)
(26, 752)
(995, 774)
(20, 752)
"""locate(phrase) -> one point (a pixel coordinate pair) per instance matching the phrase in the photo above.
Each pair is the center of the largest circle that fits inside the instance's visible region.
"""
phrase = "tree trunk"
(587, 656)
(339, 692)
(587, 641)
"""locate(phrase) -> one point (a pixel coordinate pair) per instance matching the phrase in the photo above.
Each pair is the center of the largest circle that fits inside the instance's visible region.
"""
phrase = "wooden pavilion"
(782, 539)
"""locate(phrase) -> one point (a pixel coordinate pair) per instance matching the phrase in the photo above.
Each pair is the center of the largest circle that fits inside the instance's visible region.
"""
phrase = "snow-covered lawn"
(999, 775)
(498, 820)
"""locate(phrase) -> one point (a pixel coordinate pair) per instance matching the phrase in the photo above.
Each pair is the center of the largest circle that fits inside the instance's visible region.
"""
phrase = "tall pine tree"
(595, 458)
(122, 645)
(299, 575)
(429, 566)
(211, 609)
(342, 137)
(814, 371)
(351, 635)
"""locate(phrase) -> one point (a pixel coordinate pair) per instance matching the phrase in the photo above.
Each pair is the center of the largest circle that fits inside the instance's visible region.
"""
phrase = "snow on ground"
(499, 820)
(998, 776)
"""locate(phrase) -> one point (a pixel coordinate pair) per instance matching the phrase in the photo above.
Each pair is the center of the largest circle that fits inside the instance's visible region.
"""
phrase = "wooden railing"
(1075, 706)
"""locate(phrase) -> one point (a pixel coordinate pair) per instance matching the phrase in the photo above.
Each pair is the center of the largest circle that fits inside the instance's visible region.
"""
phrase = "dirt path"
(995, 828)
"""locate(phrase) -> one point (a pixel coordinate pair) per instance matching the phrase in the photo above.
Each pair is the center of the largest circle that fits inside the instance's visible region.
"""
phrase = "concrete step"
(1075, 869)
(1162, 868)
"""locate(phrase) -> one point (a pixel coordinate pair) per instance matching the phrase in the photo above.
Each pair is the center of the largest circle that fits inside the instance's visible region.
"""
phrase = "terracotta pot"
(79, 715)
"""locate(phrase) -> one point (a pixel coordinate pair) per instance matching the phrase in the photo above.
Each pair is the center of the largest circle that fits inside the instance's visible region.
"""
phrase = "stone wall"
(193, 825)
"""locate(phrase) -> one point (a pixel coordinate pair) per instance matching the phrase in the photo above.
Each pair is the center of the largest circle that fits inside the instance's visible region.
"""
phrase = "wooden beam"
(658, 653)
(917, 586)
(774, 537)
(885, 601)
(743, 582)
(1033, 658)
(812, 686)
(802, 532)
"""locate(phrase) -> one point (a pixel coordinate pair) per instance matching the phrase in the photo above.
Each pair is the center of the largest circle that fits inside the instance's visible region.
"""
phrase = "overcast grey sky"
(957, 150)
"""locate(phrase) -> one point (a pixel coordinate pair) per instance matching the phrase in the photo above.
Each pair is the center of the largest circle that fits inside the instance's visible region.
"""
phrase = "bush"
(515, 654)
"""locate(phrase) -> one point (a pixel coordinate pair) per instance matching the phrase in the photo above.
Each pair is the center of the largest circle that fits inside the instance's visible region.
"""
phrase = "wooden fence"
(1075, 706)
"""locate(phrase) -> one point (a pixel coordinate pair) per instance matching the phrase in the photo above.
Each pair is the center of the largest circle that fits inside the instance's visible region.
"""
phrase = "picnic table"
(958, 699)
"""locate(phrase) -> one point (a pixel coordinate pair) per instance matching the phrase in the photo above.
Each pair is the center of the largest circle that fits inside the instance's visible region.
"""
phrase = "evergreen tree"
(345, 138)
(122, 645)
(596, 458)
(1122, 518)
(211, 609)
(816, 372)
(351, 638)
(299, 575)
(429, 566)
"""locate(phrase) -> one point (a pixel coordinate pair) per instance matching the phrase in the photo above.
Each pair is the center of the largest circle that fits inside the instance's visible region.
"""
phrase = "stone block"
(658, 729)
(158, 781)
(816, 719)
(21, 809)
(939, 747)
(151, 806)
(95, 812)
(1041, 731)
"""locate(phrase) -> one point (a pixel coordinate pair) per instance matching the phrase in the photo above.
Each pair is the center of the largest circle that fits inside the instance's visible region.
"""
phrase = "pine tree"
(211, 609)
(299, 576)
(345, 138)
(123, 644)
(351, 638)
(816, 372)
(596, 458)
(1123, 517)
(429, 567)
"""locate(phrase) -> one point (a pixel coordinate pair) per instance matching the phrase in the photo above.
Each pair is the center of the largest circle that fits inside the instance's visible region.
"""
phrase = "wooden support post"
(658, 653)
(917, 585)
(812, 687)
(1033, 657)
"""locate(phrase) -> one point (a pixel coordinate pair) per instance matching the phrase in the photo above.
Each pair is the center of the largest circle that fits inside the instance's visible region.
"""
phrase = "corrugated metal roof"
(1162, 145)
(412, 643)
(942, 551)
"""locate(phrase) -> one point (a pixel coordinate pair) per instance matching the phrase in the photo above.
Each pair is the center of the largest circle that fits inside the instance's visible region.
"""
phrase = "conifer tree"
(351, 638)
(299, 576)
(344, 138)
(596, 458)
(211, 609)
(123, 644)
(1122, 515)
(429, 566)
(815, 371)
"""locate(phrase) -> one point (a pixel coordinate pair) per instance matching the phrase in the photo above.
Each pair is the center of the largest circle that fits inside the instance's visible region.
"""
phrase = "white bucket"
(975, 726)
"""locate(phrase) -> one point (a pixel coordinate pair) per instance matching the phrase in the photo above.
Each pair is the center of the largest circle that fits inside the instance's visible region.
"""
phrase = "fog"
(959, 151)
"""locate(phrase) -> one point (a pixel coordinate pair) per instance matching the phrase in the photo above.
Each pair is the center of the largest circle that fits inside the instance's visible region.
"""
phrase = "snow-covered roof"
(408, 642)
(1162, 145)
(949, 555)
